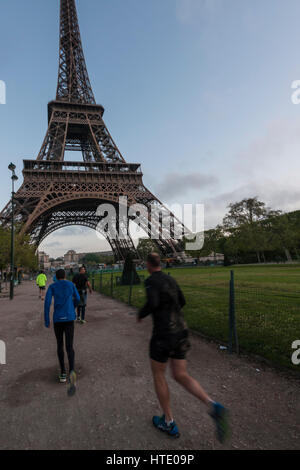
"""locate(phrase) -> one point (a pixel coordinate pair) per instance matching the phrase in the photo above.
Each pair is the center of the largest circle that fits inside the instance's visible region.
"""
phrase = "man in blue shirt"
(66, 299)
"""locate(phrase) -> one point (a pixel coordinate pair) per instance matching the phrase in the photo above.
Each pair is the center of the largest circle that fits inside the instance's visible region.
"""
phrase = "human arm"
(76, 296)
(88, 284)
(152, 303)
(181, 297)
(47, 305)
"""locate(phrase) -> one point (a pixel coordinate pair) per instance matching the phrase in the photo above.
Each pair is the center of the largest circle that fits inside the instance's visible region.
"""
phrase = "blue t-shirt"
(66, 299)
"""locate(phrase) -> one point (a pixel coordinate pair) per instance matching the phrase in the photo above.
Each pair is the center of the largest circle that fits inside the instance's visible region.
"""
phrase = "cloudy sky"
(197, 91)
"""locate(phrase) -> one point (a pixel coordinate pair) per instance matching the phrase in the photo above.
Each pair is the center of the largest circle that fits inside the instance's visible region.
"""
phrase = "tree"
(4, 248)
(244, 223)
(146, 246)
(25, 252)
(212, 240)
(245, 212)
(93, 259)
(25, 255)
(294, 221)
(282, 234)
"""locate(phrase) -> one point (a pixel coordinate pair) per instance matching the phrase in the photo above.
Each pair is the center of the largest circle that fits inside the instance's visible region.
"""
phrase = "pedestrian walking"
(66, 298)
(82, 284)
(41, 282)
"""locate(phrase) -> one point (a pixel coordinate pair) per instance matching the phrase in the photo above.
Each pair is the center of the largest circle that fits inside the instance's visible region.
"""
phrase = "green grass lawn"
(267, 305)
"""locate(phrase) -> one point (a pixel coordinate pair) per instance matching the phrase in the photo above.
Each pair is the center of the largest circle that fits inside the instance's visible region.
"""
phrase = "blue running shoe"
(160, 423)
(220, 415)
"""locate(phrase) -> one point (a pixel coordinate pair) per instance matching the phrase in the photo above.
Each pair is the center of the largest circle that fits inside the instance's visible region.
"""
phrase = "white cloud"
(273, 154)
(267, 167)
(80, 239)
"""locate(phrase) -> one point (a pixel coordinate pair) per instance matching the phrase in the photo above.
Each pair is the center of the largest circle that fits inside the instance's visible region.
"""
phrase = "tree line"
(93, 259)
(251, 232)
(25, 252)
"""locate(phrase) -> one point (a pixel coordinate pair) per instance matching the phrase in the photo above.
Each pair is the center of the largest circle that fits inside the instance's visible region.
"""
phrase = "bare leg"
(161, 388)
(181, 375)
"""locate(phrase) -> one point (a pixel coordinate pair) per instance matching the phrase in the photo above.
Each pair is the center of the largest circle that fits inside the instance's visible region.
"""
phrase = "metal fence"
(245, 317)
(110, 284)
(267, 321)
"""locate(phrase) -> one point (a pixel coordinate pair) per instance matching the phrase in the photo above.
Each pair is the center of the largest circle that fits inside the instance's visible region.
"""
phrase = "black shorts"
(42, 288)
(173, 346)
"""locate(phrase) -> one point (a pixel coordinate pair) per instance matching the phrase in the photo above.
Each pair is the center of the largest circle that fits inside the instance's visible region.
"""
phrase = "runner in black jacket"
(170, 341)
(82, 284)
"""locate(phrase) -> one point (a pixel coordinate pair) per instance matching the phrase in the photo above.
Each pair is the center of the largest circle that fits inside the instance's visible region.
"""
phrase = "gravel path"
(115, 400)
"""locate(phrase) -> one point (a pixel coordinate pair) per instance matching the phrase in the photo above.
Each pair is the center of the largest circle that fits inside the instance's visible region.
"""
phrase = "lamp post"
(14, 178)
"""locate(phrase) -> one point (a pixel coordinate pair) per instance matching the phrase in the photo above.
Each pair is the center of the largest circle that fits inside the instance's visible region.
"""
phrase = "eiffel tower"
(56, 193)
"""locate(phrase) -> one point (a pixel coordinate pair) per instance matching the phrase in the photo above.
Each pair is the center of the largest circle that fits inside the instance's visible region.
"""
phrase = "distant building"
(71, 257)
(44, 260)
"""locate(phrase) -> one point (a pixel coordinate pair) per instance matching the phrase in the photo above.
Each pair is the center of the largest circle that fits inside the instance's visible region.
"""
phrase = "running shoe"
(72, 384)
(220, 415)
(160, 423)
(62, 378)
(83, 322)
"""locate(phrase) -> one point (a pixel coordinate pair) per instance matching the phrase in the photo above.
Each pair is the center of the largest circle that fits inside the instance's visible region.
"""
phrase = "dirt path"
(115, 400)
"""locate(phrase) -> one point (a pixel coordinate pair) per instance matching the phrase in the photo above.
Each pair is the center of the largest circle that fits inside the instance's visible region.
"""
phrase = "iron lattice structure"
(56, 193)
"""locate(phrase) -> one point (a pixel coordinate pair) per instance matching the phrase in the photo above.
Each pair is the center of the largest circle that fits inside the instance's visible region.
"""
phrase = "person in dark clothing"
(65, 329)
(82, 284)
(170, 342)
(66, 298)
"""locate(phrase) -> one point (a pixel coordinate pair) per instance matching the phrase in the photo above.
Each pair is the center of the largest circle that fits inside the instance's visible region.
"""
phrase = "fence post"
(112, 285)
(130, 289)
(100, 284)
(93, 282)
(232, 319)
